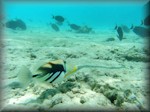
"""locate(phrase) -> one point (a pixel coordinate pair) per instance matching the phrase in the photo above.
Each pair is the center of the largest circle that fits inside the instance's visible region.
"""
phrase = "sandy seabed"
(89, 88)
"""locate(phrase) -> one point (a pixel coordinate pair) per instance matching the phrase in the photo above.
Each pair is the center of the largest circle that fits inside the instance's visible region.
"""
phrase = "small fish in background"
(59, 19)
(109, 39)
(54, 27)
(85, 29)
(74, 27)
(146, 21)
(141, 31)
(120, 32)
(47, 72)
(16, 24)
(80, 29)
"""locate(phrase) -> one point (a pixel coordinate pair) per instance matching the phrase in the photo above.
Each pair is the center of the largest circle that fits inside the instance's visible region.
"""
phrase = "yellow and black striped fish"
(50, 72)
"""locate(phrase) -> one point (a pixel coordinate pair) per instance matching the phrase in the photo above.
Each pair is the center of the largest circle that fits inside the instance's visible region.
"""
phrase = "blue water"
(98, 14)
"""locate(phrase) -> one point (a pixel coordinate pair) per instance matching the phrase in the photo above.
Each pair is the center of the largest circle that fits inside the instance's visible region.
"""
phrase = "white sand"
(96, 87)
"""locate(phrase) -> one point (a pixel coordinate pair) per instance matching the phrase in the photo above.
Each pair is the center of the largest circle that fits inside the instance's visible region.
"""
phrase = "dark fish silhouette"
(59, 18)
(110, 39)
(74, 26)
(120, 32)
(141, 31)
(146, 21)
(15, 24)
(54, 27)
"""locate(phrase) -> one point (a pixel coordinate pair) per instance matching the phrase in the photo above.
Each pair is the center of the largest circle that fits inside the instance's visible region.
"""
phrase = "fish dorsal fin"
(57, 61)
(61, 62)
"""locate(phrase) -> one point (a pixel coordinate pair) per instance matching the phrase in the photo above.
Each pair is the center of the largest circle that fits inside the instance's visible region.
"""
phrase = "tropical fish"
(59, 18)
(120, 32)
(141, 31)
(54, 27)
(51, 72)
(74, 26)
(15, 24)
(110, 39)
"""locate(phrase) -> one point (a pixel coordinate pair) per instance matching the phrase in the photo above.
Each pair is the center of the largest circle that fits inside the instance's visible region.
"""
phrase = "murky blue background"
(98, 14)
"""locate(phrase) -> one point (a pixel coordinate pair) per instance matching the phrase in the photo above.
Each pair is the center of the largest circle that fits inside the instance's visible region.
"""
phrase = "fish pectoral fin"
(24, 76)
(73, 70)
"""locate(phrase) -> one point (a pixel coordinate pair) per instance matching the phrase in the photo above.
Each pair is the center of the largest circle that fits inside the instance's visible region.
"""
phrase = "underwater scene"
(77, 56)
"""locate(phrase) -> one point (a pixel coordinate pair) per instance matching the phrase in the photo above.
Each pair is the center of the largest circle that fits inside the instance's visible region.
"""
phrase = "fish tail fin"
(24, 76)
